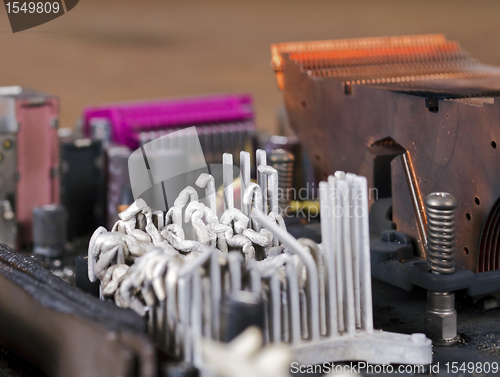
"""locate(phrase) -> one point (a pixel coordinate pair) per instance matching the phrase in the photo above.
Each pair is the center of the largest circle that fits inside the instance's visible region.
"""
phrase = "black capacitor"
(83, 188)
(241, 310)
(49, 230)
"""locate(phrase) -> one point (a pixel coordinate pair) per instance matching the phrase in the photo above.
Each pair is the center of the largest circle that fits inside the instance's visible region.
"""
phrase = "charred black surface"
(63, 331)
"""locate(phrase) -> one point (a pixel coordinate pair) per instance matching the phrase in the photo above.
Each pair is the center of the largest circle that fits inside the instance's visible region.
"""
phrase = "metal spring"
(440, 209)
(283, 162)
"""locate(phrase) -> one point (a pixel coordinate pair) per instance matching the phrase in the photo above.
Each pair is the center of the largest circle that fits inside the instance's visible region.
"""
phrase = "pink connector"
(128, 119)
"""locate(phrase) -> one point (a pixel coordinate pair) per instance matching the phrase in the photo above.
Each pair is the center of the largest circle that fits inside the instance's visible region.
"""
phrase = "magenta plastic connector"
(128, 119)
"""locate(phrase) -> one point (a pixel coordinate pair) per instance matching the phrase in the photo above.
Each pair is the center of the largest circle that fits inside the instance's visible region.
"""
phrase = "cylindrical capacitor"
(49, 230)
(100, 129)
(241, 310)
(283, 162)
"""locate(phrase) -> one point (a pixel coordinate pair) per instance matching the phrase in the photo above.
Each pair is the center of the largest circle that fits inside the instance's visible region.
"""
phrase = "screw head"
(441, 200)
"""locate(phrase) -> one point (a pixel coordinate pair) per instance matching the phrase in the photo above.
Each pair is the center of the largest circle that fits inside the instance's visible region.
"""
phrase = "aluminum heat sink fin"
(338, 287)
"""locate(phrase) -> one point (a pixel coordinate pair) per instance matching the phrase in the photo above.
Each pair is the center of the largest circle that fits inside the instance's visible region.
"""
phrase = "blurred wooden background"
(113, 50)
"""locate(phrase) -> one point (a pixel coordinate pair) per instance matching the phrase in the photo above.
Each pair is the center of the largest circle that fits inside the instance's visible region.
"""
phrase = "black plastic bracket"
(393, 262)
